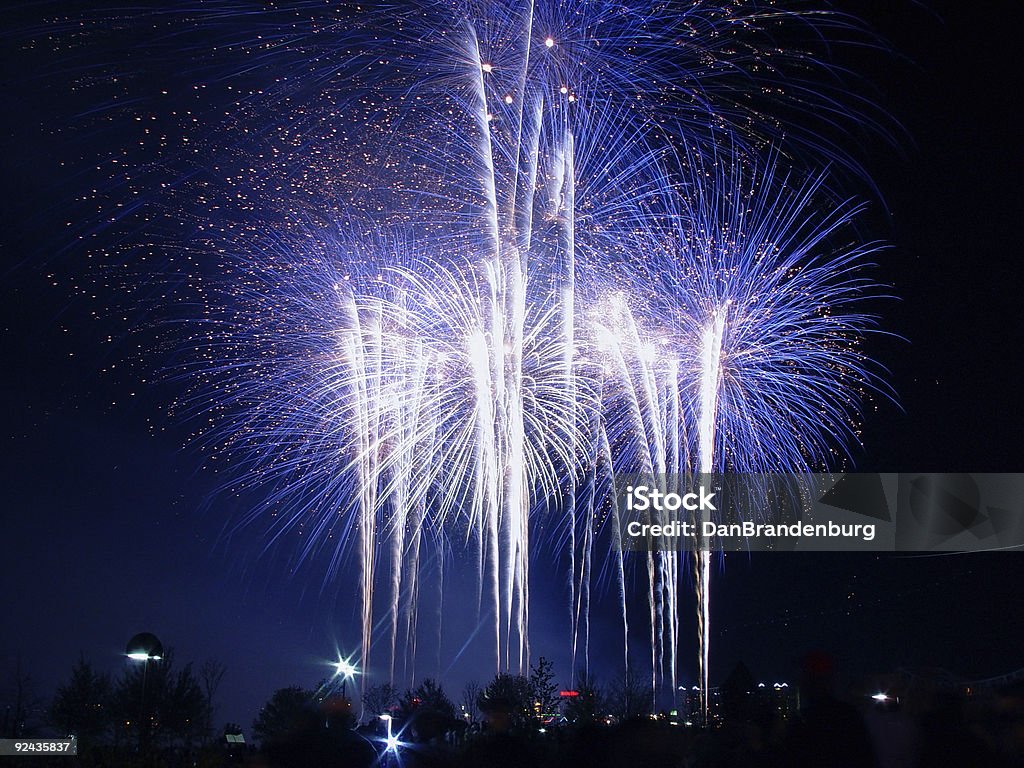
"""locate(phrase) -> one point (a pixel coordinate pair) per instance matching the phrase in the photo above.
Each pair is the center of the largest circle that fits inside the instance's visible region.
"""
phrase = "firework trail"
(478, 258)
(756, 310)
(538, 174)
(710, 376)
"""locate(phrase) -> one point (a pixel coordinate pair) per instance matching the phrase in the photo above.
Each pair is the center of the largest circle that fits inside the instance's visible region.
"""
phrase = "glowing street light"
(345, 670)
(144, 647)
(391, 741)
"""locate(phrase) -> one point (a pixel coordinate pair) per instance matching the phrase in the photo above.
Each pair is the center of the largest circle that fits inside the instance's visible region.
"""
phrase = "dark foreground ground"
(828, 734)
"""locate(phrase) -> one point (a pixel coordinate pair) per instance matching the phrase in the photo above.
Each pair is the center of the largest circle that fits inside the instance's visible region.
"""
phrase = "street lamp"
(144, 647)
(345, 669)
(392, 740)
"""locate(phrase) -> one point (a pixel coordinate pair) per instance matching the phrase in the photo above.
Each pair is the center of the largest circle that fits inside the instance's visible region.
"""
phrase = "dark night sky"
(107, 529)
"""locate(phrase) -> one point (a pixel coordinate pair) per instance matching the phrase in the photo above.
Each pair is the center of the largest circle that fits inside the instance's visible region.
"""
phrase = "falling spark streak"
(711, 374)
(564, 165)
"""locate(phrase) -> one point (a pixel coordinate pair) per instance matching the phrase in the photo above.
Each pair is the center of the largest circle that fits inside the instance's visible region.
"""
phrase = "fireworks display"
(441, 272)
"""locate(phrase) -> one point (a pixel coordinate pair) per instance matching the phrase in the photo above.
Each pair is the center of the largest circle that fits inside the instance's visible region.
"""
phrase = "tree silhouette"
(426, 712)
(183, 708)
(211, 673)
(471, 699)
(156, 703)
(511, 694)
(543, 691)
(286, 709)
(630, 696)
(82, 706)
(427, 696)
(22, 705)
(588, 705)
(378, 699)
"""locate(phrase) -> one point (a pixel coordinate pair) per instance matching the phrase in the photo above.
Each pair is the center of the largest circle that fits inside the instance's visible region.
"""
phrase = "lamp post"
(345, 669)
(144, 647)
(390, 743)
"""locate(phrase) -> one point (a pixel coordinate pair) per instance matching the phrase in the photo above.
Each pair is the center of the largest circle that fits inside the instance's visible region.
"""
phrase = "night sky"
(111, 527)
